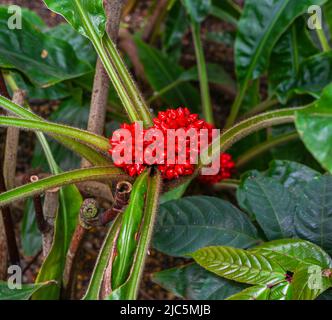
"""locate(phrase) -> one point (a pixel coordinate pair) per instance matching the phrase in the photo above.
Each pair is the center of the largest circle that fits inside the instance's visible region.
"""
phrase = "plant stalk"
(202, 72)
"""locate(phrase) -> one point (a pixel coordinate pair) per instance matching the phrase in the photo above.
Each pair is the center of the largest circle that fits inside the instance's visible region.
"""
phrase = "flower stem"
(203, 77)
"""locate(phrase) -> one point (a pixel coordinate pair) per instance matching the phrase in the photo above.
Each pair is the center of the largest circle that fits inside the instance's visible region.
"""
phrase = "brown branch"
(101, 85)
(3, 250)
(11, 146)
(50, 210)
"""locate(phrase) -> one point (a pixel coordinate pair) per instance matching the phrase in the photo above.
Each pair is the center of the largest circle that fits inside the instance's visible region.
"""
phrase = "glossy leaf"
(31, 238)
(314, 74)
(161, 72)
(313, 218)
(42, 59)
(81, 45)
(24, 293)
(267, 20)
(127, 243)
(69, 9)
(315, 128)
(288, 54)
(293, 253)
(239, 265)
(188, 224)
(308, 282)
(192, 282)
(175, 193)
(260, 196)
(282, 291)
(226, 10)
(290, 174)
(197, 9)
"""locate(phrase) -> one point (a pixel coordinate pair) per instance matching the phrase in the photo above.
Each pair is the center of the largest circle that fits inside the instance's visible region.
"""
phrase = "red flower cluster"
(180, 118)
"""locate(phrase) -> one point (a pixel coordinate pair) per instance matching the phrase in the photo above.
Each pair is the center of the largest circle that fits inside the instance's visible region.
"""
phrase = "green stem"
(62, 179)
(86, 137)
(164, 90)
(126, 89)
(263, 106)
(202, 72)
(227, 184)
(150, 212)
(322, 39)
(236, 106)
(263, 147)
(245, 128)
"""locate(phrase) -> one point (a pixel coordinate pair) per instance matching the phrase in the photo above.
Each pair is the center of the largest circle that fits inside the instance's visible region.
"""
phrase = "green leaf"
(216, 75)
(69, 112)
(290, 174)
(226, 10)
(240, 265)
(281, 291)
(293, 253)
(197, 10)
(65, 224)
(42, 59)
(314, 74)
(81, 45)
(31, 189)
(127, 243)
(87, 137)
(308, 282)
(95, 285)
(175, 193)
(290, 51)
(161, 71)
(70, 11)
(260, 196)
(31, 238)
(190, 223)
(267, 20)
(315, 128)
(192, 282)
(24, 293)
(313, 218)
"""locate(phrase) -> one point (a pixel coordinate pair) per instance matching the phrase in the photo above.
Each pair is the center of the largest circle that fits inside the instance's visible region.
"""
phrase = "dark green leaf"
(175, 193)
(313, 218)
(82, 46)
(42, 59)
(191, 223)
(315, 128)
(261, 196)
(197, 9)
(226, 10)
(267, 20)
(194, 283)
(30, 235)
(290, 51)
(72, 113)
(290, 174)
(24, 293)
(161, 71)
(240, 265)
(69, 9)
(292, 253)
